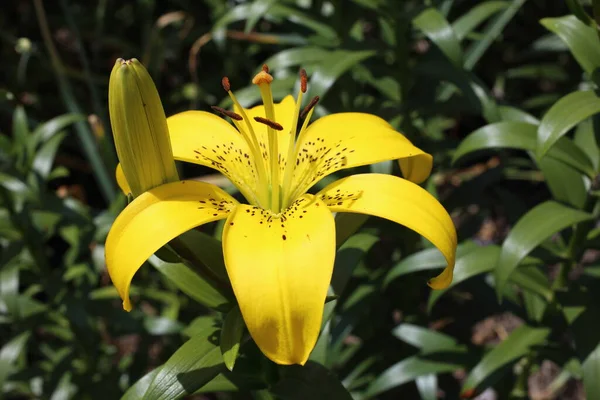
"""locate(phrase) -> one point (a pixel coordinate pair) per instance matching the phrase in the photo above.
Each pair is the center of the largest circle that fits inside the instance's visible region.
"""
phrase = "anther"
(225, 83)
(265, 68)
(228, 113)
(269, 123)
(303, 80)
(309, 107)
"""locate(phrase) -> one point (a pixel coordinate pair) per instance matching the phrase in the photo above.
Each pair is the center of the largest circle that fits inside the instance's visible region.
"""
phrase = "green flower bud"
(139, 128)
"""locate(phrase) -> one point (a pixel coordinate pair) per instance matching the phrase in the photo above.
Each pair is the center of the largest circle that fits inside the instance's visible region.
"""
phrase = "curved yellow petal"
(203, 138)
(284, 115)
(346, 140)
(153, 219)
(121, 180)
(401, 201)
(280, 267)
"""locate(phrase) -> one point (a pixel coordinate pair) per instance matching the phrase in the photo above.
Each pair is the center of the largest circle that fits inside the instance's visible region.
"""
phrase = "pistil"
(263, 79)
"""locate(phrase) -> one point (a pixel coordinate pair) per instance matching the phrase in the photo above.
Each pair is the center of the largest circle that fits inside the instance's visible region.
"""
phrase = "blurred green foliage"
(502, 93)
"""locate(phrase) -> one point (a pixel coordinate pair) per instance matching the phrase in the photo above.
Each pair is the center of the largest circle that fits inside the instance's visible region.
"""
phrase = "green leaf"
(564, 115)
(508, 113)
(565, 183)
(294, 57)
(581, 39)
(193, 365)
(204, 249)
(256, 11)
(475, 16)
(189, 282)
(578, 10)
(517, 345)
(326, 73)
(231, 336)
(521, 136)
(48, 129)
(591, 375)
(476, 262)
(348, 257)
(424, 260)
(346, 224)
(312, 381)
(531, 279)
(585, 138)
(44, 157)
(411, 368)
(541, 222)
(491, 32)
(424, 339)
(435, 26)
(205, 326)
(139, 389)
(9, 354)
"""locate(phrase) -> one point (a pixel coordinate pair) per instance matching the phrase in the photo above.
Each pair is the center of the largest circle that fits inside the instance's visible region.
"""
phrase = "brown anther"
(262, 77)
(303, 80)
(269, 123)
(309, 107)
(228, 113)
(225, 83)
(265, 68)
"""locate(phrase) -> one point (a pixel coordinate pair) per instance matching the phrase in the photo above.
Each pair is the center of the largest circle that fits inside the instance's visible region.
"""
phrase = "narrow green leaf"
(295, 57)
(411, 368)
(231, 336)
(564, 115)
(541, 222)
(348, 257)
(565, 183)
(44, 157)
(48, 129)
(424, 339)
(435, 26)
(531, 279)
(427, 385)
(256, 11)
(326, 73)
(139, 389)
(194, 364)
(591, 375)
(585, 138)
(581, 39)
(478, 261)
(490, 34)
(424, 260)
(475, 16)
(517, 345)
(521, 136)
(9, 354)
(346, 225)
(197, 287)
(311, 381)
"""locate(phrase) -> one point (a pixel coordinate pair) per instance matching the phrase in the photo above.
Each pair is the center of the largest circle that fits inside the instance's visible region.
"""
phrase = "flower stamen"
(227, 113)
(252, 141)
(269, 123)
(309, 107)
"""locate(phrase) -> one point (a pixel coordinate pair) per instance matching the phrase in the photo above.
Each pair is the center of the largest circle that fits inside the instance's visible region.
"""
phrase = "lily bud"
(139, 128)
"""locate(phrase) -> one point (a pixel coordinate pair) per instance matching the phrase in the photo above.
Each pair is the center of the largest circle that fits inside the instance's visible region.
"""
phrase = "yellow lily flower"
(279, 248)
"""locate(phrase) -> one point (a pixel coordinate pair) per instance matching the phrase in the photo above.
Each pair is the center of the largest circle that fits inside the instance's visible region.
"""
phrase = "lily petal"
(280, 267)
(401, 201)
(121, 180)
(140, 229)
(347, 140)
(203, 138)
